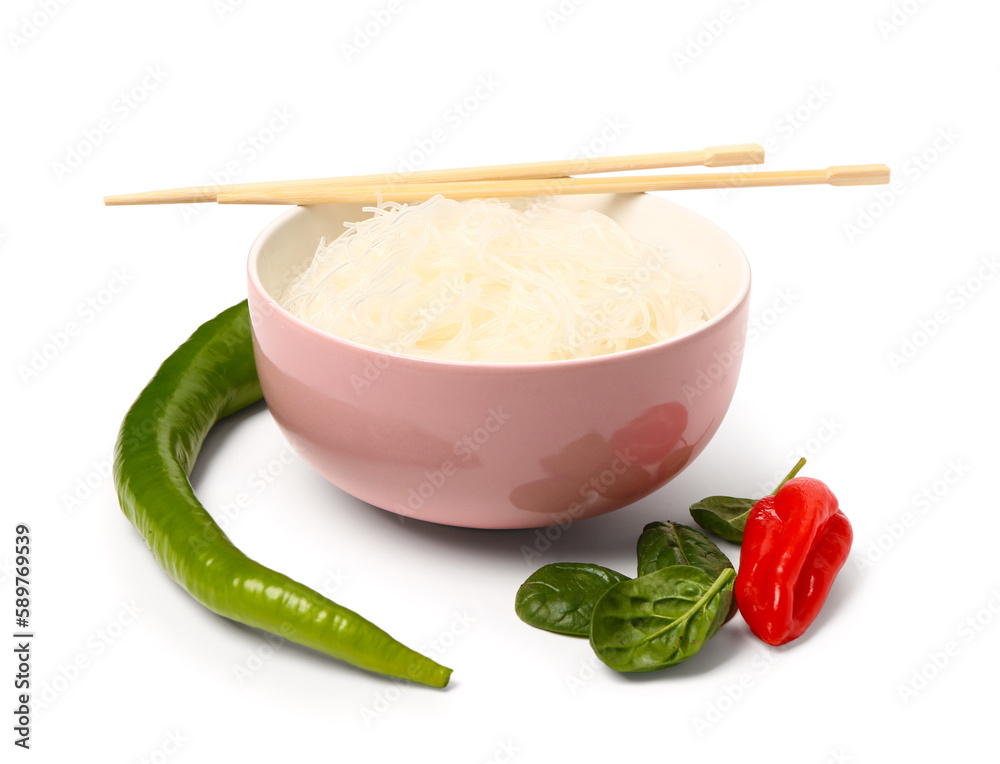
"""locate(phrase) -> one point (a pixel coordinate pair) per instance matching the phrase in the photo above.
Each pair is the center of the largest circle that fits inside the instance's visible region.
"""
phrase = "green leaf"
(660, 619)
(560, 597)
(725, 516)
(663, 545)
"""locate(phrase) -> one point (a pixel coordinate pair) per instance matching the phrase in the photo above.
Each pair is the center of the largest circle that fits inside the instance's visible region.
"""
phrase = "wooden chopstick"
(713, 156)
(840, 175)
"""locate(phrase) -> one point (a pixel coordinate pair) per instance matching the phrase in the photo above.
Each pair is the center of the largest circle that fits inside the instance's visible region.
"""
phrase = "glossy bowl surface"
(502, 445)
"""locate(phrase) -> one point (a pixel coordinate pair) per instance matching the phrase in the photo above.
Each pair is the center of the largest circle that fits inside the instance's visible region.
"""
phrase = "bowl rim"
(723, 315)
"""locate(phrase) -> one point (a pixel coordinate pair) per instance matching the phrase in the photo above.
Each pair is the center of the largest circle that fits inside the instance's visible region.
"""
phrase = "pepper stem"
(795, 471)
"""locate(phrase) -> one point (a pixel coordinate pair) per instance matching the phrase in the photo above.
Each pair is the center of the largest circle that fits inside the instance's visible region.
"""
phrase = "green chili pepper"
(207, 378)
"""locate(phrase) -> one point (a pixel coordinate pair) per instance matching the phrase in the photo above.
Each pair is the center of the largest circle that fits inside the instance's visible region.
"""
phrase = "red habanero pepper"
(794, 543)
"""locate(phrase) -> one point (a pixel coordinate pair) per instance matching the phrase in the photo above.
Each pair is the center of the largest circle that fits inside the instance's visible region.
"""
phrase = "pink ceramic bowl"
(502, 445)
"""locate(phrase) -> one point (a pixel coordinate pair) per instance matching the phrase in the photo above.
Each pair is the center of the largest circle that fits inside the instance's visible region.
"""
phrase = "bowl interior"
(695, 248)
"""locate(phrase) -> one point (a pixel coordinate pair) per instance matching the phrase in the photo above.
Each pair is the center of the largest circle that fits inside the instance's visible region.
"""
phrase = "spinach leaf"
(560, 597)
(660, 619)
(663, 545)
(724, 516)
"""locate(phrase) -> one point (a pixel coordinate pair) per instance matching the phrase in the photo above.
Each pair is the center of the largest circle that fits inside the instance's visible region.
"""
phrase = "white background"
(913, 85)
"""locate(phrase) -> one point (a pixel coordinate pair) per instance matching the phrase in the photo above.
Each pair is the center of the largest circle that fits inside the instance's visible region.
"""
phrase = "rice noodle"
(486, 280)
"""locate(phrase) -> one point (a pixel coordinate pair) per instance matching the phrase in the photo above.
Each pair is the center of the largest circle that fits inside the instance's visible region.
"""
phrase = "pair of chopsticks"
(529, 179)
